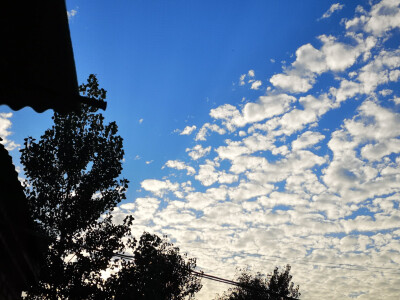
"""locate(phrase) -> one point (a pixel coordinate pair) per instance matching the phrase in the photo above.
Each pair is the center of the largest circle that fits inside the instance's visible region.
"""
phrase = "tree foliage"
(275, 286)
(158, 271)
(72, 185)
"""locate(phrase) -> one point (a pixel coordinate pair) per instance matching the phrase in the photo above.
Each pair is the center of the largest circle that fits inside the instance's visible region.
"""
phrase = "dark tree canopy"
(72, 185)
(157, 272)
(257, 286)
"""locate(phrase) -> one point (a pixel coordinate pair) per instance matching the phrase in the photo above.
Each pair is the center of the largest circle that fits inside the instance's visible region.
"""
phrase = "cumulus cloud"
(292, 82)
(385, 92)
(71, 13)
(313, 177)
(364, 140)
(188, 130)
(143, 209)
(332, 9)
(307, 139)
(332, 56)
(179, 165)
(266, 107)
(5, 126)
(241, 79)
(383, 17)
(256, 84)
(206, 129)
(382, 69)
(208, 174)
(198, 151)
(159, 187)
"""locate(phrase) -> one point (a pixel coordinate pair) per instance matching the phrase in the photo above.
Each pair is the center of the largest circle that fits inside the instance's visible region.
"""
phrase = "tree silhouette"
(72, 185)
(157, 272)
(257, 286)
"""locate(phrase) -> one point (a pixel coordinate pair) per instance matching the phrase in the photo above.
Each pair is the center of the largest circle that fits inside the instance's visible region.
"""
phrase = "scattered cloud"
(188, 130)
(241, 79)
(250, 79)
(256, 84)
(5, 126)
(206, 129)
(198, 151)
(334, 7)
(309, 173)
(71, 13)
(179, 165)
(159, 187)
(383, 17)
(385, 92)
(310, 62)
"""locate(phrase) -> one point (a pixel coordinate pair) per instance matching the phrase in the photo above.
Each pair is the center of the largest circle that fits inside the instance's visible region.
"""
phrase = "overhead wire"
(302, 261)
(221, 280)
(231, 282)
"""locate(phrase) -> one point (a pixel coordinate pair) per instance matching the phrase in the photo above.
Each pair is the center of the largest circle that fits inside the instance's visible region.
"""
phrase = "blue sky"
(256, 133)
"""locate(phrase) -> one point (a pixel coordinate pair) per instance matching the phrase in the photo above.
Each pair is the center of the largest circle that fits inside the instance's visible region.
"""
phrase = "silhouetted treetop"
(158, 271)
(72, 186)
(257, 286)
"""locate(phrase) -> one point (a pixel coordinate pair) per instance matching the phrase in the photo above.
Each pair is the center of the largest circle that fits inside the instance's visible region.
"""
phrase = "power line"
(220, 279)
(227, 281)
(346, 266)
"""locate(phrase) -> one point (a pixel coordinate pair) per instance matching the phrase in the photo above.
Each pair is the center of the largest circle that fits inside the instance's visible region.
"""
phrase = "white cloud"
(5, 126)
(227, 113)
(346, 90)
(396, 100)
(198, 151)
(158, 187)
(318, 172)
(332, 9)
(380, 70)
(307, 139)
(383, 17)
(385, 92)
(140, 121)
(188, 130)
(241, 79)
(71, 13)
(249, 190)
(293, 83)
(256, 84)
(266, 107)
(250, 76)
(179, 165)
(206, 128)
(296, 119)
(143, 209)
(310, 62)
(208, 174)
(364, 140)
